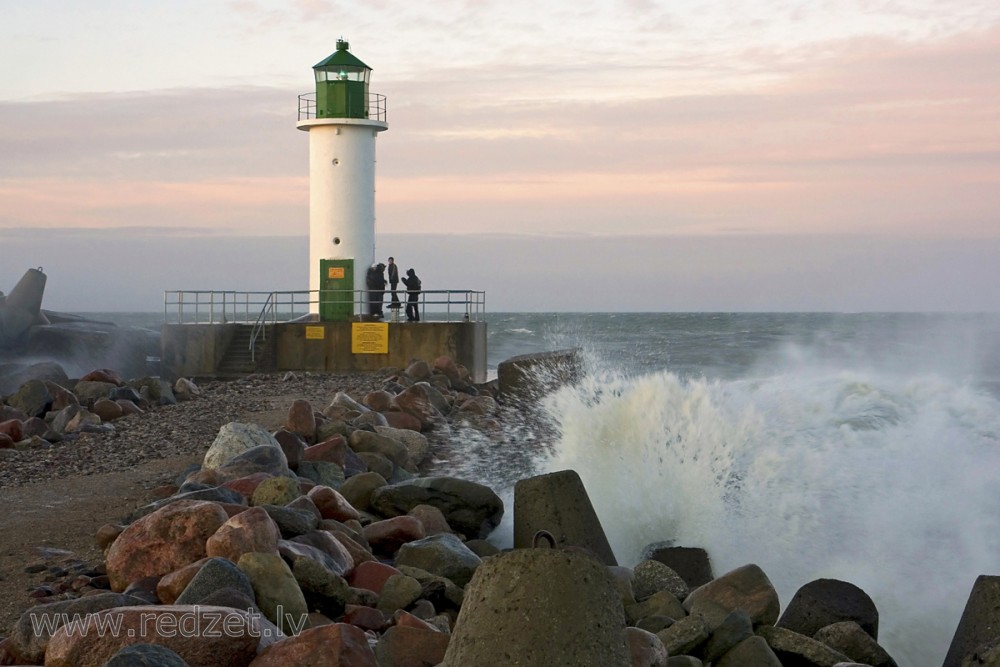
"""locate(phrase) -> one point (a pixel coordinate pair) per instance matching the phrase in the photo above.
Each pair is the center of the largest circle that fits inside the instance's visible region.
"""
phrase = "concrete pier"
(221, 350)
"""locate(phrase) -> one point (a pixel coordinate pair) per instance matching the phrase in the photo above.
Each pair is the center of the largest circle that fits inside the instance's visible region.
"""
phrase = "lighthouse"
(343, 120)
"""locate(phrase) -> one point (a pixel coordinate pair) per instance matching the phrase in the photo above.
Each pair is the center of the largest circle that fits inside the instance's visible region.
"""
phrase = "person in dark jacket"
(393, 284)
(412, 283)
(375, 282)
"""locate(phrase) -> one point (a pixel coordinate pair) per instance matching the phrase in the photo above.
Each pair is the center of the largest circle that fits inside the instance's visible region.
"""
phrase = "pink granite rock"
(388, 535)
(170, 586)
(331, 450)
(398, 419)
(330, 645)
(245, 486)
(446, 365)
(107, 409)
(331, 504)
(432, 519)
(163, 541)
(252, 530)
(13, 428)
(402, 646)
(371, 575)
(104, 375)
(379, 401)
(302, 420)
(204, 636)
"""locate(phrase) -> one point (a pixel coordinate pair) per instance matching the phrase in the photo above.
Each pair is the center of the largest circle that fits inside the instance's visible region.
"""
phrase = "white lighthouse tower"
(342, 119)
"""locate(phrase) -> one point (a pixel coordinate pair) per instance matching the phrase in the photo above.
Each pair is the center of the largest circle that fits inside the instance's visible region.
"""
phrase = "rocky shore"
(309, 532)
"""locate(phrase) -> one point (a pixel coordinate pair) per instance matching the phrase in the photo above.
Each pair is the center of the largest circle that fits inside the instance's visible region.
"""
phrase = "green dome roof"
(339, 58)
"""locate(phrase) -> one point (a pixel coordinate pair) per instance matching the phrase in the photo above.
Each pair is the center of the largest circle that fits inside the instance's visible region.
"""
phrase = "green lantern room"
(342, 85)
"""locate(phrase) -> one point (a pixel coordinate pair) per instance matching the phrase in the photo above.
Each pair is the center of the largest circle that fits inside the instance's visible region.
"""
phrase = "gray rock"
(292, 521)
(851, 639)
(265, 458)
(367, 441)
(276, 590)
(323, 473)
(398, 592)
(444, 555)
(32, 398)
(691, 563)
(795, 649)
(753, 651)
(652, 576)
(416, 444)
(216, 574)
(736, 628)
(236, 438)
(378, 464)
(32, 632)
(13, 375)
(657, 604)
(370, 419)
(746, 588)
(295, 551)
(470, 508)
(324, 591)
(685, 635)
(89, 391)
(826, 601)
(146, 655)
(359, 489)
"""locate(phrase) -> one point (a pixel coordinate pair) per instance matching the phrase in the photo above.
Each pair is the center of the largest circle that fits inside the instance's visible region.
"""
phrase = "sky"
(635, 155)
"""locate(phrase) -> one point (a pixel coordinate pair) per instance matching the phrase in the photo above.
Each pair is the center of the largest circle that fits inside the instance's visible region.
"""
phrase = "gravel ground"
(184, 429)
(53, 501)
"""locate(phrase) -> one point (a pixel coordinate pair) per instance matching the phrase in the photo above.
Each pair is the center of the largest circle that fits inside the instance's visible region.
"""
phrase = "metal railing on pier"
(233, 307)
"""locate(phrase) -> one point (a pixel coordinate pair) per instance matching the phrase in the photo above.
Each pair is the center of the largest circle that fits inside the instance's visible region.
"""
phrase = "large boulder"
(278, 594)
(444, 555)
(163, 541)
(31, 634)
(249, 531)
(214, 575)
(826, 601)
(333, 644)
(32, 398)
(746, 588)
(470, 508)
(89, 644)
(234, 439)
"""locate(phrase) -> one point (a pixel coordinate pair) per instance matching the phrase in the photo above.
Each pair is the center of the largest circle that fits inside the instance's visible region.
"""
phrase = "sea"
(861, 447)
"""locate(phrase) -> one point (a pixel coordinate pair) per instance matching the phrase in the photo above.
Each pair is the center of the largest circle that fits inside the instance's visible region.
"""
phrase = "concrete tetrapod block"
(538, 608)
(980, 621)
(558, 503)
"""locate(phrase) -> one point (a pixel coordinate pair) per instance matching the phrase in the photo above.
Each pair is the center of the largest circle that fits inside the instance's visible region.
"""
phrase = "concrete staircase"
(237, 360)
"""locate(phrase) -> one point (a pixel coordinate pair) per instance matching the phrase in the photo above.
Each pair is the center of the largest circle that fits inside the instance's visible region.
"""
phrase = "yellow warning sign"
(315, 333)
(335, 272)
(370, 338)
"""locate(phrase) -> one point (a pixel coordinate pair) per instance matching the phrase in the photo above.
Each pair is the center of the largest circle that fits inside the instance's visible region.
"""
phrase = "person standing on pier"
(393, 284)
(412, 283)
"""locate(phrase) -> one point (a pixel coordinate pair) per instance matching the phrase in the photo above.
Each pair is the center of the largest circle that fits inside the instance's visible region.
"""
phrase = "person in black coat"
(412, 283)
(375, 281)
(393, 283)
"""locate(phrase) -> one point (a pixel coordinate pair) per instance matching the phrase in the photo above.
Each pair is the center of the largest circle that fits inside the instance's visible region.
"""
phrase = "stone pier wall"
(190, 350)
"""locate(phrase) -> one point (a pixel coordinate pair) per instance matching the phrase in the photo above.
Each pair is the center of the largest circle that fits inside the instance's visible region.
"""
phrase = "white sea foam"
(886, 480)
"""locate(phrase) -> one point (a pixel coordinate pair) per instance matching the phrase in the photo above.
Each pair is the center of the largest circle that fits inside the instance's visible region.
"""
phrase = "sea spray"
(887, 481)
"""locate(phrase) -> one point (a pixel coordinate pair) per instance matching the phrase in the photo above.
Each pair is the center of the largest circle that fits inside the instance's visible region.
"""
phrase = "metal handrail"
(262, 308)
(376, 107)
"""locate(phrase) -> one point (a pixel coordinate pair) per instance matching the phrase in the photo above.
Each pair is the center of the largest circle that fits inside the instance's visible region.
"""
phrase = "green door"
(336, 295)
